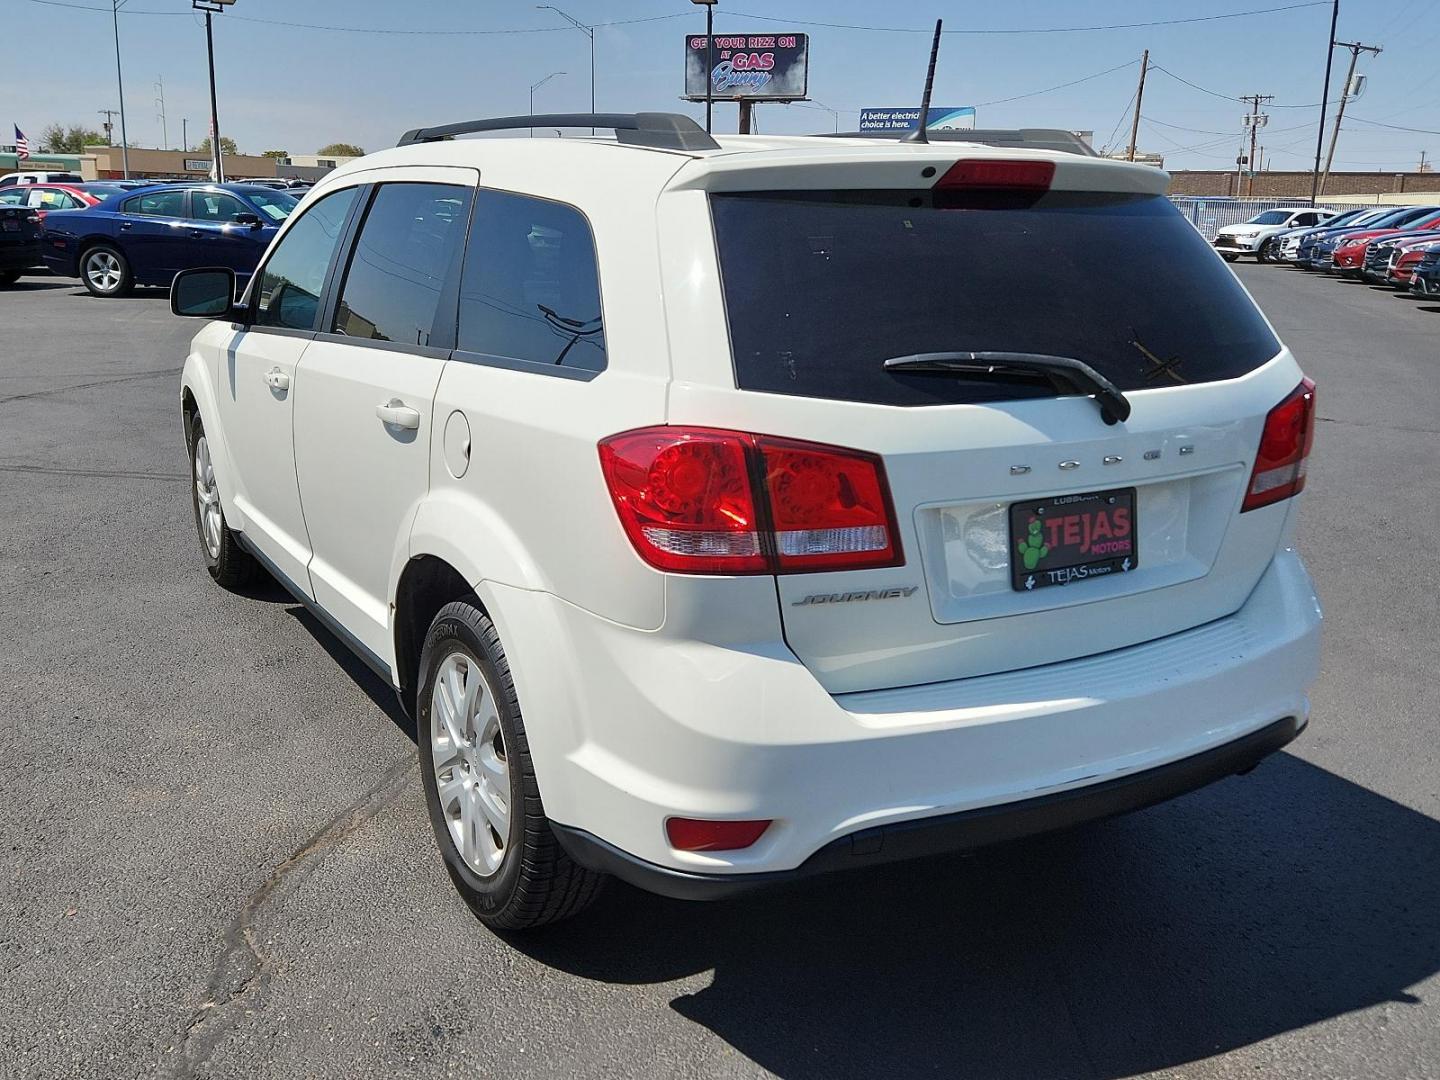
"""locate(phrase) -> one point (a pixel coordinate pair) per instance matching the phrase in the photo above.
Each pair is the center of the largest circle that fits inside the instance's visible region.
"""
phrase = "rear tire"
(106, 272)
(228, 563)
(480, 787)
(9, 277)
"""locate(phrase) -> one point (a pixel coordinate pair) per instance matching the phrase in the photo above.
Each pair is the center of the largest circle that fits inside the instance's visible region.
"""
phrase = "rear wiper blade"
(1065, 373)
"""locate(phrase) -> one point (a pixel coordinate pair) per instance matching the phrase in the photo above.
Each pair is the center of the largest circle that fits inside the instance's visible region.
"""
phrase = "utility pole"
(185, 132)
(1254, 120)
(1139, 97)
(109, 125)
(120, 83)
(1356, 48)
(1324, 100)
(1422, 162)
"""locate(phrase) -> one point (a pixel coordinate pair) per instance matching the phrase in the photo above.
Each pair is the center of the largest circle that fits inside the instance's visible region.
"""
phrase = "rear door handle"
(397, 414)
(277, 379)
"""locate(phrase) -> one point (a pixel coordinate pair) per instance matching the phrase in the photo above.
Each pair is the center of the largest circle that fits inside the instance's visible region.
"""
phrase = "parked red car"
(47, 197)
(1349, 257)
(1402, 273)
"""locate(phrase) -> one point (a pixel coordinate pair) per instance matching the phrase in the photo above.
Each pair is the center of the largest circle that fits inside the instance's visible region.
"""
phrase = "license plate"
(1070, 538)
(10, 225)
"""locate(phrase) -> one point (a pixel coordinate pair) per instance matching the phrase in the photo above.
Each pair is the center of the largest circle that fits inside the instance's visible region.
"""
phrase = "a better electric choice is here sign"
(908, 119)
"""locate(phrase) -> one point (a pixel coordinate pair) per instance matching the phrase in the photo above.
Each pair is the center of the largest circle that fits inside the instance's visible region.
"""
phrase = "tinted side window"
(157, 204)
(288, 293)
(530, 289)
(214, 206)
(398, 266)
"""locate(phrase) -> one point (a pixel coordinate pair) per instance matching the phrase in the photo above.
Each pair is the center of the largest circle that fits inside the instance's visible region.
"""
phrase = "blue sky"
(296, 88)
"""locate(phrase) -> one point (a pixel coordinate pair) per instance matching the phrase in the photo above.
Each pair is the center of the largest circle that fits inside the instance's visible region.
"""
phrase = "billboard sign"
(908, 119)
(758, 67)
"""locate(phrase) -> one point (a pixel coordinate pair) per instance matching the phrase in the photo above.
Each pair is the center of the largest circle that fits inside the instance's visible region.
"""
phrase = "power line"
(1395, 127)
(372, 29)
(1061, 86)
(1109, 142)
(1031, 30)
(1226, 97)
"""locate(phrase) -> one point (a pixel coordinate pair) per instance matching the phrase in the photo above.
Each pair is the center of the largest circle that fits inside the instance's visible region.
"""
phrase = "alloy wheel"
(472, 774)
(102, 270)
(207, 498)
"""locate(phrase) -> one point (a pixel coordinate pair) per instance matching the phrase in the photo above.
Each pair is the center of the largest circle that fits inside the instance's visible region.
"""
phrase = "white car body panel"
(649, 694)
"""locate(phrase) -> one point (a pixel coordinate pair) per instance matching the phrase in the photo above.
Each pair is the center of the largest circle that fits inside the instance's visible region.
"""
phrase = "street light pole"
(709, 6)
(533, 88)
(588, 31)
(212, 7)
(120, 82)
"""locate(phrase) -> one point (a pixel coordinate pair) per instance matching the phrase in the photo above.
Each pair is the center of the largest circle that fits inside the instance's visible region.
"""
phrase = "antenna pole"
(921, 134)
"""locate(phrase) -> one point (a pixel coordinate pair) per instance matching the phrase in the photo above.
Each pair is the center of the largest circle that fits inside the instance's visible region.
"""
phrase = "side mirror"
(206, 293)
(245, 218)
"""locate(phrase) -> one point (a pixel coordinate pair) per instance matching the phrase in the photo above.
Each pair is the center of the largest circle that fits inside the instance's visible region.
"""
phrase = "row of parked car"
(116, 234)
(1397, 246)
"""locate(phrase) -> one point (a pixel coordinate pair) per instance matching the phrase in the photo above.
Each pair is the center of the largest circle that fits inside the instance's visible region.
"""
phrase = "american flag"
(22, 145)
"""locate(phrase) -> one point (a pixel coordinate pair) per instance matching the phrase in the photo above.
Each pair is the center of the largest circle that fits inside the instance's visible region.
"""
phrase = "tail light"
(694, 834)
(709, 501)
(1284, 447)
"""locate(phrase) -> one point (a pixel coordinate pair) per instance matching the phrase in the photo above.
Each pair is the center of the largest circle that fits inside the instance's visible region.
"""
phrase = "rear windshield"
(822, 287)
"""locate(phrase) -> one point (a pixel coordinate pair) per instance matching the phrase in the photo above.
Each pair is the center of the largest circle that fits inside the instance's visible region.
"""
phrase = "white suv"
(1252, 237)
(732, 510)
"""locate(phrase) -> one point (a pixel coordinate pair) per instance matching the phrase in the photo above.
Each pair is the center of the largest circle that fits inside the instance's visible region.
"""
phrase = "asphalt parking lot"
(217, 860)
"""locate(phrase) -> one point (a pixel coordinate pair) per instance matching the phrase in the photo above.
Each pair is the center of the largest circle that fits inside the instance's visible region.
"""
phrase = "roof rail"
(664, 131)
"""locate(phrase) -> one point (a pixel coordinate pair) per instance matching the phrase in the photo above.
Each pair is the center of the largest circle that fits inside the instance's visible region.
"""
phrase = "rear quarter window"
(822, 287)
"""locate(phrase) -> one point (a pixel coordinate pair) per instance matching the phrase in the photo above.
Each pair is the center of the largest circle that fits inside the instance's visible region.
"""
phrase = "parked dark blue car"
(147, 236)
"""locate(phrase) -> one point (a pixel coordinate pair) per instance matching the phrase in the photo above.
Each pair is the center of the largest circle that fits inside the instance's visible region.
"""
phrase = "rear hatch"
(20, 227)
(1034, 529)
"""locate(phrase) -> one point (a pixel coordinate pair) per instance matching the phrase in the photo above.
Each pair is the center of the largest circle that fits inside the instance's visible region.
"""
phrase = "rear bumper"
(949, 833)
(628, 728)
(20, 256)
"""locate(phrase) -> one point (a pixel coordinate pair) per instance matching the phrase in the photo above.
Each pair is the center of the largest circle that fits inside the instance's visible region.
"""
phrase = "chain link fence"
(1211, 213)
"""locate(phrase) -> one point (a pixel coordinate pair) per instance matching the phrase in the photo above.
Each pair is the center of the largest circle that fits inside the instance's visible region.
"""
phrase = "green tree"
(341, 149)
(57, 139)
(276, 154)
(227, 146)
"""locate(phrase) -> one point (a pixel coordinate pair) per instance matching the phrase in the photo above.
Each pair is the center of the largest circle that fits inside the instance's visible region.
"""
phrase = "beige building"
(317, 161)
(108, 164)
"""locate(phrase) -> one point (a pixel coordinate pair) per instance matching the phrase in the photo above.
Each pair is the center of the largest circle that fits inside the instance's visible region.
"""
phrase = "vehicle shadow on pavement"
(43, 285)
(1259, 906)
(376, 689)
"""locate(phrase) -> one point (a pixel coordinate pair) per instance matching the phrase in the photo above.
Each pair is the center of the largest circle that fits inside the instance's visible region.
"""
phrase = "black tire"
(229, 564)
(107, 255)
(536, 882)
(1228, 257)
(9, 277)
(1263, 255)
